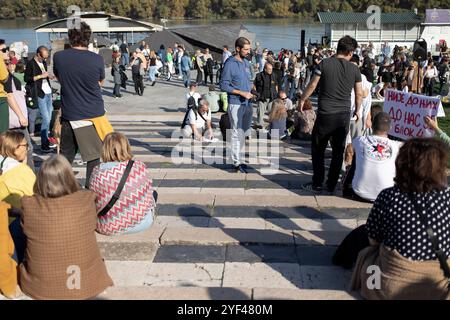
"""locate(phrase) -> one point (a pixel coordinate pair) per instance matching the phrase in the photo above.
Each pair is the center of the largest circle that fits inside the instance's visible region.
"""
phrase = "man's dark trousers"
(326, 127)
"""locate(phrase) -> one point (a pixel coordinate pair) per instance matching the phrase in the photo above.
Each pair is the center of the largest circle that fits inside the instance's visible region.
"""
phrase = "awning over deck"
(102, 23)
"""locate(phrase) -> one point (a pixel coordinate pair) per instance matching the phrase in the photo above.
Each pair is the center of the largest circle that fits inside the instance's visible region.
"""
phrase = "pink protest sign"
(408, 110)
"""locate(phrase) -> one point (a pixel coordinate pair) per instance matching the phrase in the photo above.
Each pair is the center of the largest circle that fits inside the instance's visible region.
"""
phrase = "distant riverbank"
(273, 34)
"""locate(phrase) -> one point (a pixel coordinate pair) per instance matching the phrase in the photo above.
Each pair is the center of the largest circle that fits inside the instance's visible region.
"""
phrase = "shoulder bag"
(119, 189)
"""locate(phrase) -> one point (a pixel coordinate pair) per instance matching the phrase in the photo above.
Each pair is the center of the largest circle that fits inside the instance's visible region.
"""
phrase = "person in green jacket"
(432, 123)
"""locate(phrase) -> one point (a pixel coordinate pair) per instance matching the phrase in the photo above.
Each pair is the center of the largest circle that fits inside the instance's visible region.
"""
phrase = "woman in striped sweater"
(134, 210)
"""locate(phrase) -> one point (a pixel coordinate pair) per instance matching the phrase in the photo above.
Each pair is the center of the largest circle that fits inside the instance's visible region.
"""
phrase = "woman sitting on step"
(16, 177)
(125, 198)
(62, 258)
(409, 230)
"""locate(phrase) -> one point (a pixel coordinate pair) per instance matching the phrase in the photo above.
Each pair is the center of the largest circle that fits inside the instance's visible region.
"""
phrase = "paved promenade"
(220, 234)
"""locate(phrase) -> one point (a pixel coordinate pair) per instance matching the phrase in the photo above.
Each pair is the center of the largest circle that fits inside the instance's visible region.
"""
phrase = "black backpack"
(191, 105)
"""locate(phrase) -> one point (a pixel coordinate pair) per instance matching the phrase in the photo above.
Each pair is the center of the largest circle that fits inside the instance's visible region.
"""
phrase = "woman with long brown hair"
(277, 119)
(59, 224)
(152, 70)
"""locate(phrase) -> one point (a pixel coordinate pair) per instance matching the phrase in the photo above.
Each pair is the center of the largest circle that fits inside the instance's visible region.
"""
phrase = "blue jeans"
(32, 115)
(292, 89)
(125, 59)
(19, 239)
(46, 109)
(152, 73)
(241, 121)
(186, 77)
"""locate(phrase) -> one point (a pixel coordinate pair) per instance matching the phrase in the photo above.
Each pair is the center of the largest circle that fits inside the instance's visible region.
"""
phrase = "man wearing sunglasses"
(4, 110)
(38, 82)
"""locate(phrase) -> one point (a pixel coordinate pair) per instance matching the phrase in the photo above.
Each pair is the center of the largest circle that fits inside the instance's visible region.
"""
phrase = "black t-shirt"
(316, 57)
(309, 61)
(152, 62)
(337, 79)
(385, 74)
(123, 48)
(79, 72)
(136, 67)
(367, 68)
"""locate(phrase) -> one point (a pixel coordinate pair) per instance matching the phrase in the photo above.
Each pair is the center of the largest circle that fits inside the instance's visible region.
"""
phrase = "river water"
(273, 34)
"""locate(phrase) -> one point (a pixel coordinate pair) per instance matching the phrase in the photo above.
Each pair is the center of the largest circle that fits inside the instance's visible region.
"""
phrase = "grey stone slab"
(223, 184)
(128, 251)
(288, 213)
(194, 254)
(267, 212)
(183, 210)
(255, 184)
(236, 212)
(325, 277)
(344, 213)
(315, 255)
(262, 275)
(261, 253)
(178, 183)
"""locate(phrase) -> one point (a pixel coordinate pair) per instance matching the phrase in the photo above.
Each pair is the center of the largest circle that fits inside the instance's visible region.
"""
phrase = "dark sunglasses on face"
(5, 50)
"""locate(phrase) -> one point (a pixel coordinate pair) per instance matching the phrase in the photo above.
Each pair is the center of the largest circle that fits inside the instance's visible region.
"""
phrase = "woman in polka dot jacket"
(406, 264)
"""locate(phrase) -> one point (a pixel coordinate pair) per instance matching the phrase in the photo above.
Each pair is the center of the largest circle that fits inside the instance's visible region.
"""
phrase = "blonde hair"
(278, 110)
(116, 148)
(55, 178)
(9, 142)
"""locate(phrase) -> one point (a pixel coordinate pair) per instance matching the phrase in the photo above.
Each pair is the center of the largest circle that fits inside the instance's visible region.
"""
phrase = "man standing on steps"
(81, 74)
(337, 77)
(236, 81)
(265, 85)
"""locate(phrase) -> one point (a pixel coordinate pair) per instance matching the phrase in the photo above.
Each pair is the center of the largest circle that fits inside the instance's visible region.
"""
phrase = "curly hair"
(420, 166)
(80, 37)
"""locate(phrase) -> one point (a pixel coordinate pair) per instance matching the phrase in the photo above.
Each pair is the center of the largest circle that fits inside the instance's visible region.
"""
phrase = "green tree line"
(209, 9)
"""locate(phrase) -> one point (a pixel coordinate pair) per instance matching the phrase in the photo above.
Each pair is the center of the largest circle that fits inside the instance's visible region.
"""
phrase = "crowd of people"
(408, 226)
(36, 255)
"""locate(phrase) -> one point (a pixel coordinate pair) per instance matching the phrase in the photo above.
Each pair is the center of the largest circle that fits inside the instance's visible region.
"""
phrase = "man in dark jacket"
(265, 85)
(38, 87)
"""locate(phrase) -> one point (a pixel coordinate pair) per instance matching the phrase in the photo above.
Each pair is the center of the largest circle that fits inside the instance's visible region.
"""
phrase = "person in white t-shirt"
(198, 123)
(193, 93)
(357, 128)
(373, 167)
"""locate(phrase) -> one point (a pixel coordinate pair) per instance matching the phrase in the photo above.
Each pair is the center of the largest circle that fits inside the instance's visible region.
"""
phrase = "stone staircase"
(224, 235)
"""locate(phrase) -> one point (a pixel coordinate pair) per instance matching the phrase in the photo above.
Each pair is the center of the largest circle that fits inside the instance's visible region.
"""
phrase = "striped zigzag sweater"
(135, 202)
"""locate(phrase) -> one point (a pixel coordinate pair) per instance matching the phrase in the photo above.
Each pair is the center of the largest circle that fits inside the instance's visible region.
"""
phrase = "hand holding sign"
(408, 112)
(431, 122)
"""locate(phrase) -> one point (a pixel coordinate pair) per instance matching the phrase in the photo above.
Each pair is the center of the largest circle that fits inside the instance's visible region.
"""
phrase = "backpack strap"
(433, 238)
(119, 189)
(201, 116)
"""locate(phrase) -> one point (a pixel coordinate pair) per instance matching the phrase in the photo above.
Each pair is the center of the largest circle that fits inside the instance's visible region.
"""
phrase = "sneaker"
(240, 168)
(310, 187)
(52, 140)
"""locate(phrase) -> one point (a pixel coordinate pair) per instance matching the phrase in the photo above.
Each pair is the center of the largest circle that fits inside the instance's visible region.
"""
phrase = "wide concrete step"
(225, 231)
(222, 293)
(229, 274)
